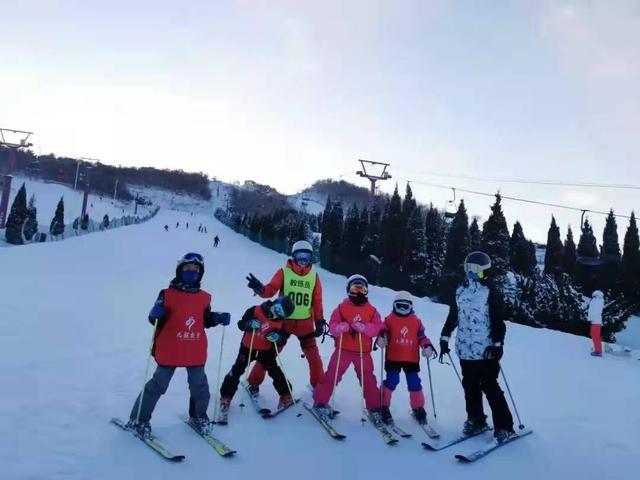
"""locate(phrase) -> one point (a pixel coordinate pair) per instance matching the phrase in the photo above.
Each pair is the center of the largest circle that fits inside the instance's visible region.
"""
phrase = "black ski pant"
(157, 386)
(268, 360)
(481, 376)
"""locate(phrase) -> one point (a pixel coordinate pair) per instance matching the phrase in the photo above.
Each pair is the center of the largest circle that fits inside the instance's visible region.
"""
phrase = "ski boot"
(385, 414)
(375, 415)
(202, 423)
(223, 412)
(502, 434)
(596, 354)
(254, 390)
(142, 429)
(285, 402)
(420, 415)
(323, 410)
(472, 427)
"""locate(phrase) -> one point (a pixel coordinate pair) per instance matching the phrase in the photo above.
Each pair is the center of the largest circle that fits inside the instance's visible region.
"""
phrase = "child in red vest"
(261, 326)
(354, 324)
(182, 312)
(403, 337)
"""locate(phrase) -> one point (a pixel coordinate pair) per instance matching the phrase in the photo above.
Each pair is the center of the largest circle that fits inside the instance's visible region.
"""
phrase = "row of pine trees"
(400, 244)
(22, 222)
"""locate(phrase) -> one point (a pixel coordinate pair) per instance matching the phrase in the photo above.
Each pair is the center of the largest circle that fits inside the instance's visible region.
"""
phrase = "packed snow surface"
(74, 339)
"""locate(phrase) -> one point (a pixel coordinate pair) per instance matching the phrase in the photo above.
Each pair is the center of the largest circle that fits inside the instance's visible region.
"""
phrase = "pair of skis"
(153, 443)
(479, 453)
(259, 405)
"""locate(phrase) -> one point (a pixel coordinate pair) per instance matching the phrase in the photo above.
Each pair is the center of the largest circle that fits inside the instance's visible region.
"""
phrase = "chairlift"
(451, 207)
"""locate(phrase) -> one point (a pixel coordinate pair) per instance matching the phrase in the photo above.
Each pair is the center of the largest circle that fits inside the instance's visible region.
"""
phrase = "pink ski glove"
(382, 342)
(358, 327)
(429, 352)
(342, 327)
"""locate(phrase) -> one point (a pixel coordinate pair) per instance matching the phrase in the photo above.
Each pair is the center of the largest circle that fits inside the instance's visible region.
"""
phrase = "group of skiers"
(182, 312)
(201, 229)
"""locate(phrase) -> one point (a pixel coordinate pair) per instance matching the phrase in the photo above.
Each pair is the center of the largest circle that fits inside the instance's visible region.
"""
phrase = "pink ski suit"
(345, 316)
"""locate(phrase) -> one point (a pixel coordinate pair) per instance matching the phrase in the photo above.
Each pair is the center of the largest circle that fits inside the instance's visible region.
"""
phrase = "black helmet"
(475, 266)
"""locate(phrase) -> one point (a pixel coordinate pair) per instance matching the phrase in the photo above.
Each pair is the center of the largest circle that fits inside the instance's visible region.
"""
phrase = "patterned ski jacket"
(477, 311)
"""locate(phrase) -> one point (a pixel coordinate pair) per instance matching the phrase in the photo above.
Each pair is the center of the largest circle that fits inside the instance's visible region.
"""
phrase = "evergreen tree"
(457, 249)
(57, 224)
(392, 232)
(17, 217)
(569, 262)
(520, 252)
(371, 241)
(554, 252)
(630, 267)
(416, 253)
(588, 260)
(475, 235)
(31, 222)
(495, 238)
(409, 204)
(610, 255)
(351, 239)
(435, 240)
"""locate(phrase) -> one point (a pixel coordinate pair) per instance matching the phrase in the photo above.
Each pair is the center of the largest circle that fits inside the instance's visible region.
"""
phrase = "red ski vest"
(402, 335)
(350, 312)
(182, 342)
(259, 342)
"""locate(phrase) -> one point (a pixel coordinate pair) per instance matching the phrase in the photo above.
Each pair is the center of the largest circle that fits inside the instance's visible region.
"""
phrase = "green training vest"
(300, 289)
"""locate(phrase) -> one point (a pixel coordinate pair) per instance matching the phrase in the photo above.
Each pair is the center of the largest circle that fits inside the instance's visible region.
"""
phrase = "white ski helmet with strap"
(403, 303)
(301, 246)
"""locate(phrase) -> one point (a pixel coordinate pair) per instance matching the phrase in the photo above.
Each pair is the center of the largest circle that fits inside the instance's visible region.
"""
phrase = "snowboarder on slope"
(476, 310)
(403, 337)
(302, 284)
(216, 241)
(354, 324)
(261, 326)
(182, 312)
(596, 305)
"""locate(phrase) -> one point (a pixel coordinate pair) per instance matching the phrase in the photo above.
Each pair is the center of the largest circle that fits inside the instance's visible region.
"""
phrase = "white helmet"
(301, 246)
(597, 293)
(403, 303)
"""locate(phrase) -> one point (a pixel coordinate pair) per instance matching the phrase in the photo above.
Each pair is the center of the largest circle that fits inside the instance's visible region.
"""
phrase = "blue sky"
(285, 92)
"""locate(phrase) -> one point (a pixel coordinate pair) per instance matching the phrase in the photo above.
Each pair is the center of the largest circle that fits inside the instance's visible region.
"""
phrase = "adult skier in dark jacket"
(476, 310)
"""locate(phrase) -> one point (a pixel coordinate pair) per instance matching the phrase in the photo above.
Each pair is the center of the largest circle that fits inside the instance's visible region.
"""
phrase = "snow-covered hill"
(74, 339)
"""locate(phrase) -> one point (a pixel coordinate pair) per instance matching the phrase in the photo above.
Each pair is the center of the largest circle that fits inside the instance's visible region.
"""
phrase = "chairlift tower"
(22, 138)
(383, 175)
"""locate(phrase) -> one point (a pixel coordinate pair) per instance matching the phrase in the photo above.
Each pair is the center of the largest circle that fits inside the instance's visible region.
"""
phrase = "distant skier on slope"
(216, 241)
(354, 324)
(182, 312)
(476, 310)
(166, 228)
(302, 284)
(261, 326)
(596, 306)
(403, 337)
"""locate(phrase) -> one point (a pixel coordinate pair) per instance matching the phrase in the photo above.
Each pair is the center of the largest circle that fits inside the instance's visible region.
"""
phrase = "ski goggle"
(279, 310)
(403, 307)
(358, 288)
(192, 258)
(302, 257)
(475, 272)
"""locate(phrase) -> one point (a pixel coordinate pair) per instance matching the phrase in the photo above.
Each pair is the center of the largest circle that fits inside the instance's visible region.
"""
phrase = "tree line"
(400, 244)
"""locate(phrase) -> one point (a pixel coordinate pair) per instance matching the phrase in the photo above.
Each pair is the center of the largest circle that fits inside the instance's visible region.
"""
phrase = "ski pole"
(146, 370)
(286, 378)
(454, 368)
(215, 407)
(433, 399)
(381, 376)
(246, 371)
(520, 426)
(364, 405)
(335, 378)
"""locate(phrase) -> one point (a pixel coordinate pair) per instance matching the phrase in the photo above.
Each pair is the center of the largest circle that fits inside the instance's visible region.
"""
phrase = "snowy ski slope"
(74, 339)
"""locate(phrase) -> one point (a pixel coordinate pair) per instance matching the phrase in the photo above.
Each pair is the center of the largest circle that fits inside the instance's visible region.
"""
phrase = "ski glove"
(221, 318)
(493, 352)
(444, 348)
(429, 352)
(157, 311)
(255, 284)
(382, 342)
(358, 327)
(272, 336)
(342, 327)
(321, 328)
(253, 324)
